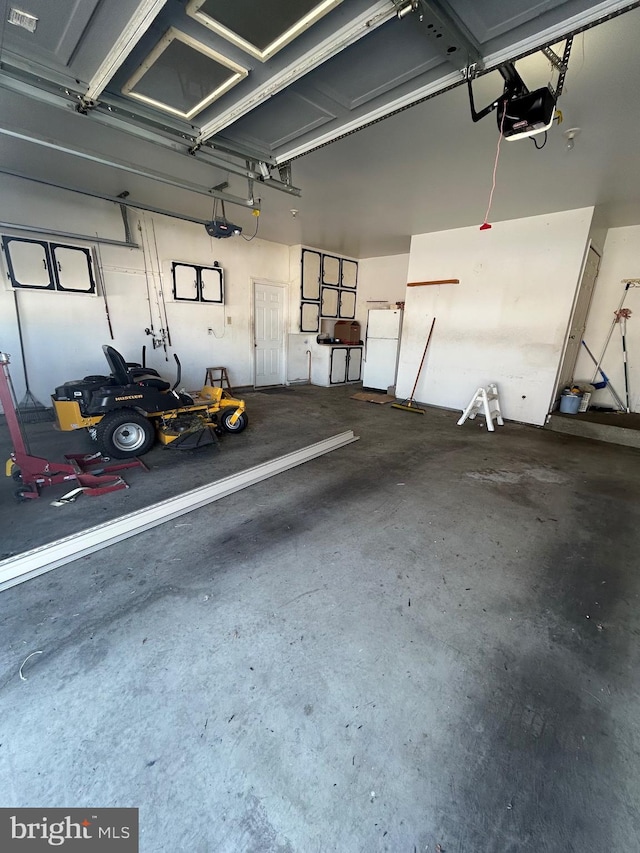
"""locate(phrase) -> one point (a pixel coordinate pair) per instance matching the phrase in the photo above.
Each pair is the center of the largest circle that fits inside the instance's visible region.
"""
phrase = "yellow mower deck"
(207, 401)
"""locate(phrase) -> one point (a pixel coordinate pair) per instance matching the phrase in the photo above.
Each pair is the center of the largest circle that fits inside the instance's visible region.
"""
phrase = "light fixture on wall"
(570, 135)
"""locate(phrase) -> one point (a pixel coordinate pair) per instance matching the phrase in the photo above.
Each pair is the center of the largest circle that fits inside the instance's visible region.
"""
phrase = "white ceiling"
(426, 168)
(429, 168)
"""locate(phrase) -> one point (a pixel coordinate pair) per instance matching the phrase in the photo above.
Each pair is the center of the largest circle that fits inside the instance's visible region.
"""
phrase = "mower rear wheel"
(225, 416)
(125, 434)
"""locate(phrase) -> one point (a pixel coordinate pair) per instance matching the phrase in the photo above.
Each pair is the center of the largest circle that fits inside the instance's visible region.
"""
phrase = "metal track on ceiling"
(570, 34)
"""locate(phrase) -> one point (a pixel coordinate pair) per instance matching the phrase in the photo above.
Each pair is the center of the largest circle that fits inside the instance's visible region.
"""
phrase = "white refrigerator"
(384, 327)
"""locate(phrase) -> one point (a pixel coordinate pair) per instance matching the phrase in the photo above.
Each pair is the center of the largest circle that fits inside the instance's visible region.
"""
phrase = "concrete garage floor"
(429, 637)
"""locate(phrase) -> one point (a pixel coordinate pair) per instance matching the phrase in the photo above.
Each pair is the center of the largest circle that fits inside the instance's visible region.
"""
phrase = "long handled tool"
(628, 283)
(97, 263)
(30, 409)
(409, 405)
(622, 316)
(607, 381)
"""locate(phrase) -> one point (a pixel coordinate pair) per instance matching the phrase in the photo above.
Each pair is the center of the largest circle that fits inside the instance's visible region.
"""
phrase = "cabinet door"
(338, 373)
(310, 275)
(354, 365)
(185, 282)
(309, 317)
(28, 263)
(72, 266)
(211, 285)
(347, 310)
(330, 270)
(329, 305)
(349, 273)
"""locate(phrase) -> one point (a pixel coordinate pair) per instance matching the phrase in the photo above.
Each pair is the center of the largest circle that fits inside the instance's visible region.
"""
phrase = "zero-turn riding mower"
(126, 411)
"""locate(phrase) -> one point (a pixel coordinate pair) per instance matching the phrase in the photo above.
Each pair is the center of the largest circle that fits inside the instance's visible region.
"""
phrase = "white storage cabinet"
(335, 365)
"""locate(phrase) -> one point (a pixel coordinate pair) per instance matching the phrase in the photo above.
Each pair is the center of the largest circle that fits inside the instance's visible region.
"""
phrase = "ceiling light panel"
(182, 76)
(259, 29)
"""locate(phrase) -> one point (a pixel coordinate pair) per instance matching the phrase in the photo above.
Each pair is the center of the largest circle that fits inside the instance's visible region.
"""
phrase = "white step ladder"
(486, 402)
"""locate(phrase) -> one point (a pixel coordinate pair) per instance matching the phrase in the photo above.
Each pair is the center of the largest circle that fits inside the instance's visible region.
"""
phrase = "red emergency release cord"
(485, 225)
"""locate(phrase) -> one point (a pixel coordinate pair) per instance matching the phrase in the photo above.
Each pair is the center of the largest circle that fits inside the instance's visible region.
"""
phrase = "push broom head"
(408, 406)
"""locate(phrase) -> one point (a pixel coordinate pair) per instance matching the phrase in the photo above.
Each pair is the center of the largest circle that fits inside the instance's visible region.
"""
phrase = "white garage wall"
(383, 278)
(64, 332)
(505, 322)
(620, 260)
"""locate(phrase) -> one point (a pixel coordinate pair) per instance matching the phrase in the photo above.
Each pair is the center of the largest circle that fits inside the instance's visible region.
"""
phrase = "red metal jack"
(35, 472)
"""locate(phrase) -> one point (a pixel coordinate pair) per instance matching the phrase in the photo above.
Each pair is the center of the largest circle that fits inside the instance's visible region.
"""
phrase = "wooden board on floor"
(372, 397)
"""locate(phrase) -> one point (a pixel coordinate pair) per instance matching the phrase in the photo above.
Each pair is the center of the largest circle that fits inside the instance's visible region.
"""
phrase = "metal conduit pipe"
(105, 197)
(51, 232)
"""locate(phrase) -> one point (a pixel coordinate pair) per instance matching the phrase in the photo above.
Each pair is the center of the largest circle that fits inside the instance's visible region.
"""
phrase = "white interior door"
(268, 320)
(579, 319)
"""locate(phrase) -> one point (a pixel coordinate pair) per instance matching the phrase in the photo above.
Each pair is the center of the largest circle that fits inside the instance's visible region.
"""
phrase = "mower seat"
(152, 382)
(123, 375)
(135, 370)
(117, 365)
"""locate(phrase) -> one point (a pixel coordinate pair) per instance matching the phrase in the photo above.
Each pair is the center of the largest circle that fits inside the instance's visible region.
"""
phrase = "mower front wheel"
(224, 418)
(125, 434)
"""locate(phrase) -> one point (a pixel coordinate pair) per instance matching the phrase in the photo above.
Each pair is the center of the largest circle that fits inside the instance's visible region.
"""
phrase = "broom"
(30, 410)
(409, 405)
